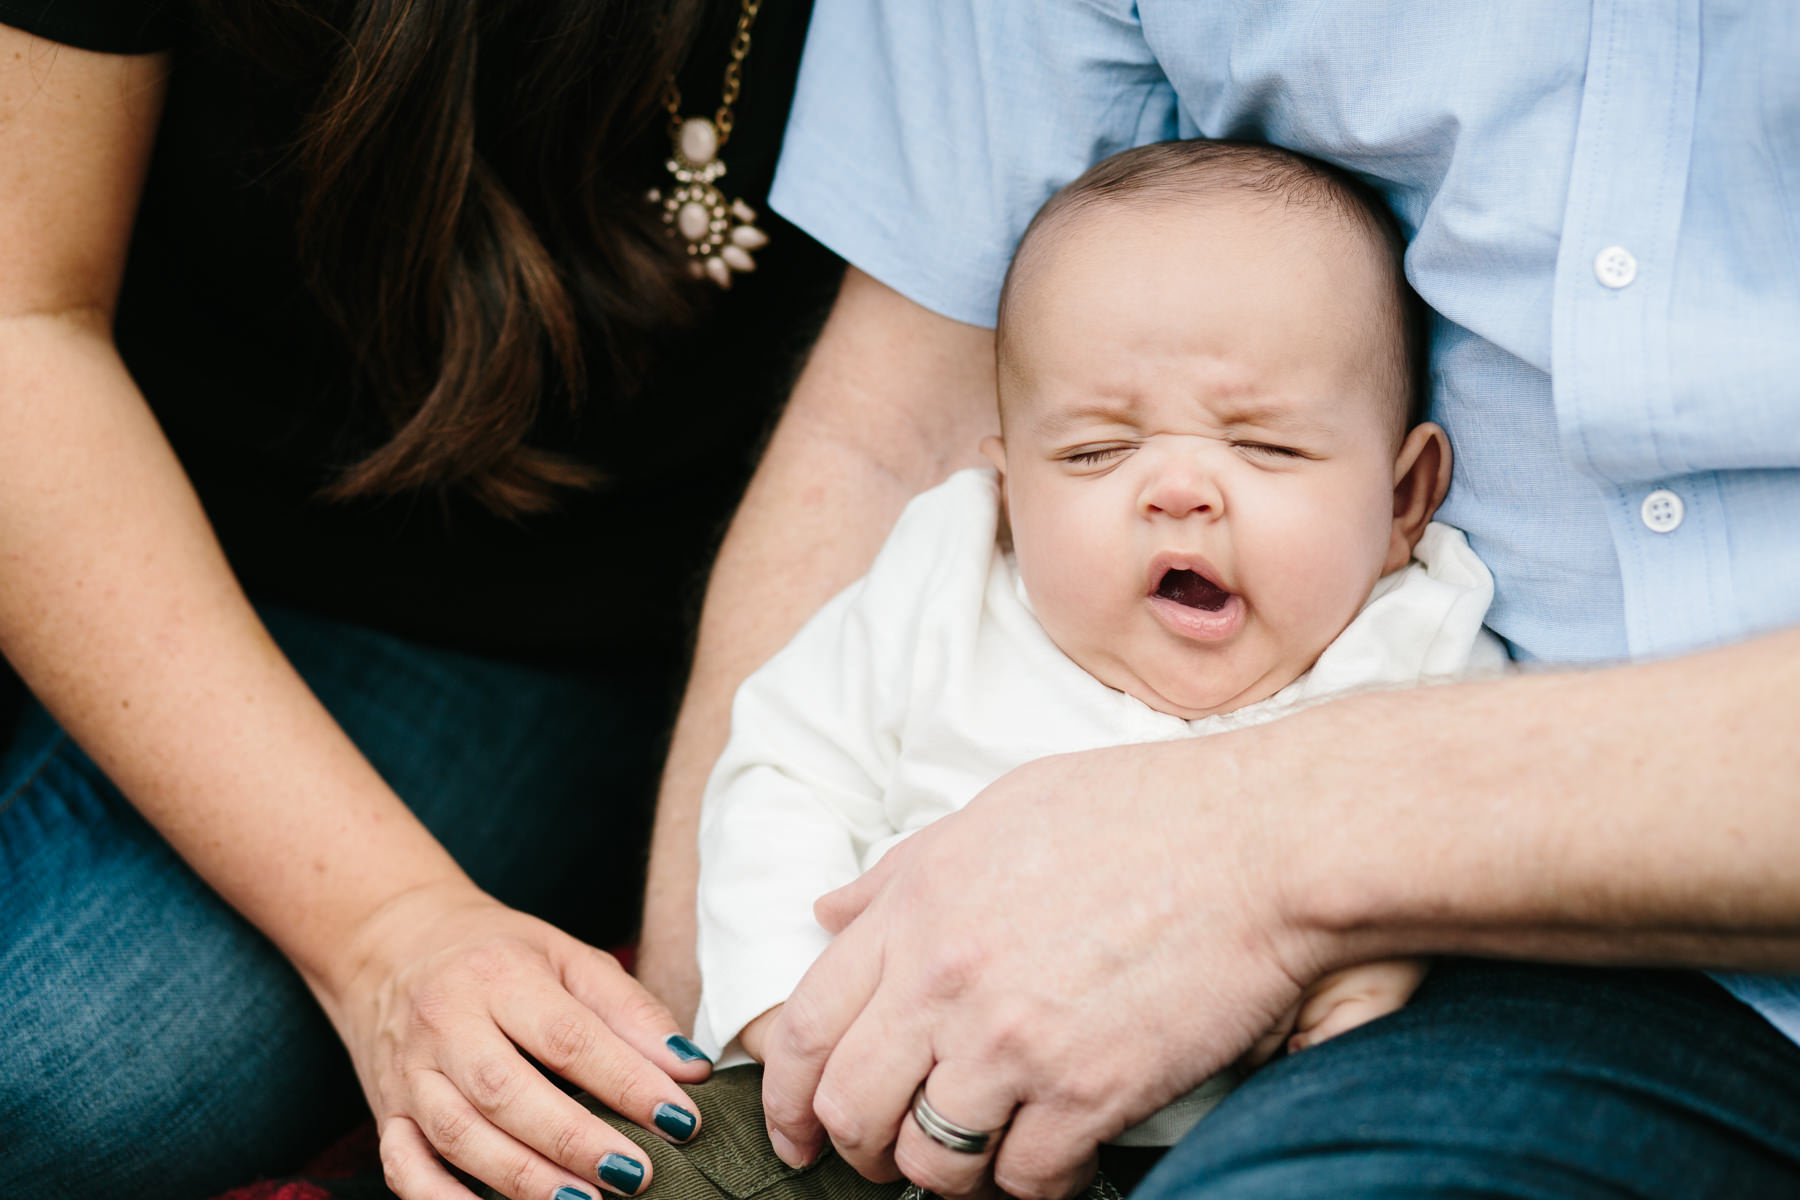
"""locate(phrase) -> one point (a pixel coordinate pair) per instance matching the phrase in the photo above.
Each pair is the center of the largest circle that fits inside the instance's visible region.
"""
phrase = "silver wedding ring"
(948, 1133)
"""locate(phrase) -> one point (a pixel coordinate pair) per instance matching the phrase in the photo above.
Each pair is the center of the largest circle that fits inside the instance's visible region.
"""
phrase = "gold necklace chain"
(734, 78)
(720, 235)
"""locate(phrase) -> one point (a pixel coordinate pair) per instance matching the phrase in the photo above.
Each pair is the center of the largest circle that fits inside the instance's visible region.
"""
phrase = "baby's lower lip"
(1199, 624)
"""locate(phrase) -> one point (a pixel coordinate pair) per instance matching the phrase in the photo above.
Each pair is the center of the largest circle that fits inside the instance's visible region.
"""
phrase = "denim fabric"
(1504, 1080)
(155, 1044)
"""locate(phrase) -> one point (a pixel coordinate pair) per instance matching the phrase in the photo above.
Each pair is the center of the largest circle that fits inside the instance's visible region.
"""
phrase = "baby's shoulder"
(953, 526)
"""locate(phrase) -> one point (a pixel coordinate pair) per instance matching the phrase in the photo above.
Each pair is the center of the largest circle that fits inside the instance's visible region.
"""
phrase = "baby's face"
(1201, 429)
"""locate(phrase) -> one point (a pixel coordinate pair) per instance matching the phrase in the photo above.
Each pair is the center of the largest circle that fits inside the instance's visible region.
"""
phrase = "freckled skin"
(1206, 380)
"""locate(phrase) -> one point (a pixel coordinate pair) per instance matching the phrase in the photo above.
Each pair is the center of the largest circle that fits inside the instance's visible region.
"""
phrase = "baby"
(1210, 503)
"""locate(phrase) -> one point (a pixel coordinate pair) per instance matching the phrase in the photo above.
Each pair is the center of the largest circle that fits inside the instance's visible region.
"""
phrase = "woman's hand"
(450, 992)
(1086, 941)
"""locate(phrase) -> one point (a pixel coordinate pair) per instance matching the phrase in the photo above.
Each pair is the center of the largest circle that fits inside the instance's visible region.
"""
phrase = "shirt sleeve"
(107, 26)
(798, 798)
(926, 133)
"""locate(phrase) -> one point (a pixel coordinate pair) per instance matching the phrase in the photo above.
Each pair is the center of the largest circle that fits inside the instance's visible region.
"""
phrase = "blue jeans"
(1505, 1080)
(153, 1042)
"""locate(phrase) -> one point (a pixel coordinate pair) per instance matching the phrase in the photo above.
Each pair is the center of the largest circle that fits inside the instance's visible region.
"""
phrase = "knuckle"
(520, 1177)
(645, 1011)
(393, 1165)
(430, 1012)
(636, 1094)
(954, 967)
(492, 1084)
(448, 1129)
(624, 1089)
(781, 1110)
(801, 1029)
(846, 1130)
(1084, 1095)
(567, 1143)
(1008, 1037)
(567, 1041)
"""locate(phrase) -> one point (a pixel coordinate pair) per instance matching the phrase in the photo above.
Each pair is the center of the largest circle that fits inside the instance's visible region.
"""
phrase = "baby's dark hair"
(1167, 172)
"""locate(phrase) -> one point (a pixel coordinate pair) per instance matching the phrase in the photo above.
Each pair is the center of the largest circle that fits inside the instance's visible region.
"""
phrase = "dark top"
(252, 383)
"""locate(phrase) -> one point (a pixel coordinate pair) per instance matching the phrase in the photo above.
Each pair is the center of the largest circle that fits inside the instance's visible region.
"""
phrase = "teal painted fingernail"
(685, 1050)
(626, 1174)
(675, 1121)
(570, 1193)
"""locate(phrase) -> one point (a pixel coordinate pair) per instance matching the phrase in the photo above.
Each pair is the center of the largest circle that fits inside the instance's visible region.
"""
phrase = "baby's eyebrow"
(1274, 416)
(1059, 421)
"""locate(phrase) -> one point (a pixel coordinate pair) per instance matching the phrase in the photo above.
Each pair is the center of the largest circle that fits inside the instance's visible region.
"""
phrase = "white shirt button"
(1662, 510)
(1615, 267)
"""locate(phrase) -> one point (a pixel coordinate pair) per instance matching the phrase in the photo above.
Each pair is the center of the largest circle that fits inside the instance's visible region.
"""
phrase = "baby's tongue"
(1195, 591)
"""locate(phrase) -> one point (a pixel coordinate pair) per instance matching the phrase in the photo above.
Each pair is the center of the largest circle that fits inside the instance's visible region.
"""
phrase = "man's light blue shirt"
(1603, 209)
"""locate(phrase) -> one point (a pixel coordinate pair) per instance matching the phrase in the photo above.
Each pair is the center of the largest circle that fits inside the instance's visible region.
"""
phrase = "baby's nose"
(1180, 488)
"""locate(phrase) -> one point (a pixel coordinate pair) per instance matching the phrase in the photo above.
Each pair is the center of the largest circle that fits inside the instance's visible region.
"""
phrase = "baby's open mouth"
(1193, 590)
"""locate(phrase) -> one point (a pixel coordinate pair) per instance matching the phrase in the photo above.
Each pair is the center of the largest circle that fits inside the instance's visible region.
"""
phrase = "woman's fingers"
(467, 1137)
(570, 1041)
(440, 1027)
(595, 978)
(411, 1168)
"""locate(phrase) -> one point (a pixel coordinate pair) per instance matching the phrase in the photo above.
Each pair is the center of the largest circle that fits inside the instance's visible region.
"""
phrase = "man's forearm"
(1638, 814)
(893, 399)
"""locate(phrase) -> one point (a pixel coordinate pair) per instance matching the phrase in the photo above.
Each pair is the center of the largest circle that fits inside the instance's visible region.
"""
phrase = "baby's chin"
(1192, 701)
(1190, 695)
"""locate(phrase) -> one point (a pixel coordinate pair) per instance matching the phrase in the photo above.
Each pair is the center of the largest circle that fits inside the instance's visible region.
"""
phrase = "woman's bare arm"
(118, 609)
(116, 603)
(893, 399)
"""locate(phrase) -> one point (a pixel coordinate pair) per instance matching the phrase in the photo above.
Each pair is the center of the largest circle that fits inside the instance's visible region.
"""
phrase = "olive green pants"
(731, 1159)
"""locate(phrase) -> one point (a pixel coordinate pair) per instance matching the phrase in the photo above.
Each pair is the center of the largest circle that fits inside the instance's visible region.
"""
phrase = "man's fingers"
(868, 1084)
(835, 910)
(811, 1023)
(597, 980)
(976, 1097)
(1048, 1154)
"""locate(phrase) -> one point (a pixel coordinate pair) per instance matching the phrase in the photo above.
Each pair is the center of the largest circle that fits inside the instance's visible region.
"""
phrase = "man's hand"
(1014, 952)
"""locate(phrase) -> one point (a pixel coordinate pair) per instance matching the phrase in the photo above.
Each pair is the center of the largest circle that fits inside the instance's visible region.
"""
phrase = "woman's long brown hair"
(475, 256)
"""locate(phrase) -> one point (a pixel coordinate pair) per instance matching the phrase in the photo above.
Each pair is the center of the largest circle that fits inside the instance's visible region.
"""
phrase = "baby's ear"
(995, 450)
(1421, 477)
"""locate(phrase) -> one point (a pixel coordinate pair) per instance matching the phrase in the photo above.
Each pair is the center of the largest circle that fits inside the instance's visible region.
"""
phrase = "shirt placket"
(1610, 359)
